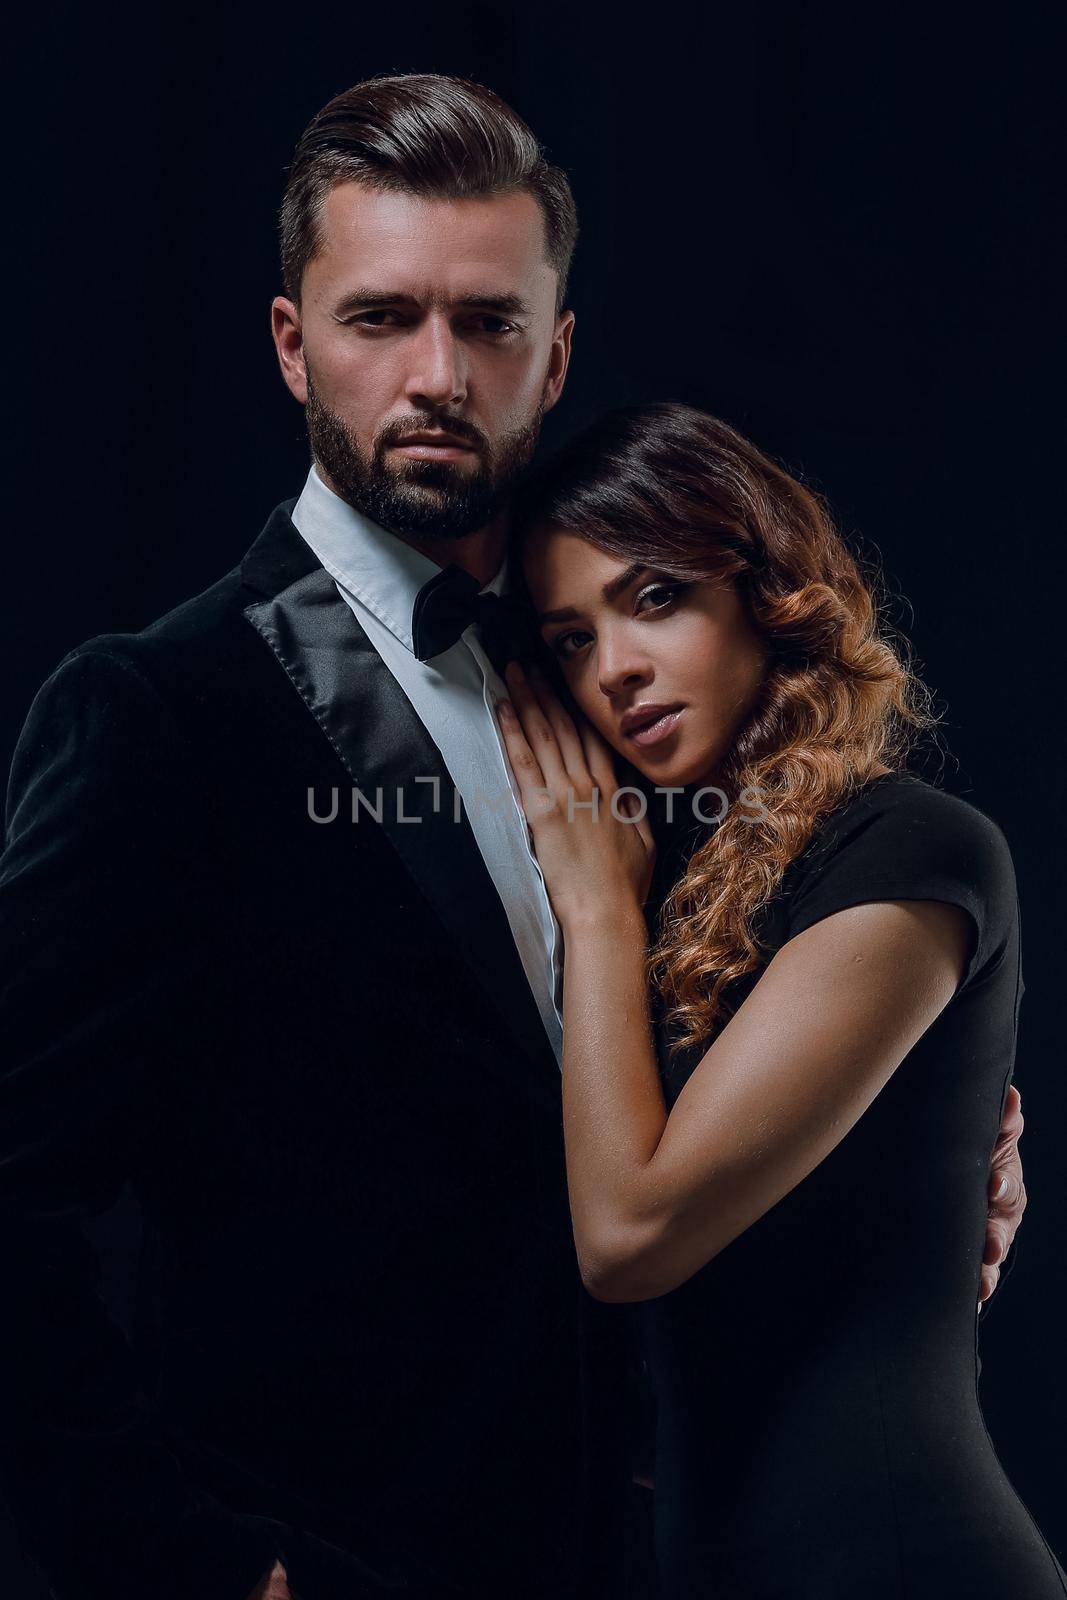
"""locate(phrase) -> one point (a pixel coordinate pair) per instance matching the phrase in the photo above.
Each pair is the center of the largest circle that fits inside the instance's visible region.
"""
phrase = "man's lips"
(433, 447)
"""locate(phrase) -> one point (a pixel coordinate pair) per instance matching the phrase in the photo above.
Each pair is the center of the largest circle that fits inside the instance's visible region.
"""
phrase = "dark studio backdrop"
(838, 228)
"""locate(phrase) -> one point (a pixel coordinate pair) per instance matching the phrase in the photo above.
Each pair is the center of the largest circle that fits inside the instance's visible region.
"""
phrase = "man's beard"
(428, 499)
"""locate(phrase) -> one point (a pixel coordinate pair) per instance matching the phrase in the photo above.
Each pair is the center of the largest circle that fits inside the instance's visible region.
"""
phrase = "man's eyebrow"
(373, 299)
(610, 591)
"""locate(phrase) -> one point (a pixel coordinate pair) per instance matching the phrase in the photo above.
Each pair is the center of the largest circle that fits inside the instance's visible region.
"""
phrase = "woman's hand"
(593, 844)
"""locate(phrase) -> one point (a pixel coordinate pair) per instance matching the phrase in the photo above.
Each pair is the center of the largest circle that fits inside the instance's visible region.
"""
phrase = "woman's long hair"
(681, 491)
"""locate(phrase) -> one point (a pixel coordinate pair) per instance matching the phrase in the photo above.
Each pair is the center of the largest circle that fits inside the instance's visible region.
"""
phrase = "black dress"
(819, 1434)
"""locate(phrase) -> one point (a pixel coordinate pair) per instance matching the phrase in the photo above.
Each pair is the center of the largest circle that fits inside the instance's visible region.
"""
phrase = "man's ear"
(288, 336)
(560, 358)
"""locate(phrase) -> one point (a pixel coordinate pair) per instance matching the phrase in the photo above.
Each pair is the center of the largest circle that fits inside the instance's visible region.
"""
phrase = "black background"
(838, 227)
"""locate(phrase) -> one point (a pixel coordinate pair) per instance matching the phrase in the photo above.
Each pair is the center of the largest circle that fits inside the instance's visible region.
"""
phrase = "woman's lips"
(653, 732)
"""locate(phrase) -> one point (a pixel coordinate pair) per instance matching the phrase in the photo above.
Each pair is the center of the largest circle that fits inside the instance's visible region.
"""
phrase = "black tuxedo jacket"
(309, 1050)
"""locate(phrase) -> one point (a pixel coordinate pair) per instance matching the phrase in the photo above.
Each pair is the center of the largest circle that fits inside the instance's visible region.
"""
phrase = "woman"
(829, 1000)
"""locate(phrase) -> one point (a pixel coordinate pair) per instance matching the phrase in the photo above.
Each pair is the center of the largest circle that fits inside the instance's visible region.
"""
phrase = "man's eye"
(495, 325)
(370, 319)
(661, 594)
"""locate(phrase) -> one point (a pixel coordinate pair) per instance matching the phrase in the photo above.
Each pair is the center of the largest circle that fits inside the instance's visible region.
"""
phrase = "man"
(278, 958)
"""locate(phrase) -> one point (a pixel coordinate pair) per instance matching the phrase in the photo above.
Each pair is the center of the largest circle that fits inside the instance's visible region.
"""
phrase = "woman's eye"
(661, 594)
(562, 640)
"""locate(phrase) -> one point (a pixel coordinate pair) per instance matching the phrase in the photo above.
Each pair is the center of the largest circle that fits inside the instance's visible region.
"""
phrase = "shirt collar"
(379, 569)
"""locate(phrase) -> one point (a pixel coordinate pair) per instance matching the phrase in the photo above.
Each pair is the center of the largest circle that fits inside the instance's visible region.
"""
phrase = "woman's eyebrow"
(610, 591)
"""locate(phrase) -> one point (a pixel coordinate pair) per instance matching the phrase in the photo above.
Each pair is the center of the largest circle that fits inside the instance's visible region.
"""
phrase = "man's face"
(432, 317)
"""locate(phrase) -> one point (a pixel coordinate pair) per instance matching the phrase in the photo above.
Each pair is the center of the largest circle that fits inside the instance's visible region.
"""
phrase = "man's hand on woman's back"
(272, 1586)
(1007, 1194)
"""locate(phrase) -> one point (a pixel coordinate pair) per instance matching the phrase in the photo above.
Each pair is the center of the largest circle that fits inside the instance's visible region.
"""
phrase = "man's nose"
(437, 375)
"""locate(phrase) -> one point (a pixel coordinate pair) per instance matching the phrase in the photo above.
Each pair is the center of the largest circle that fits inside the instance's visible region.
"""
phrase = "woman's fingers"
(524, 764)
(599, 758)
(560, 721)
(551, 755)
(538, 731)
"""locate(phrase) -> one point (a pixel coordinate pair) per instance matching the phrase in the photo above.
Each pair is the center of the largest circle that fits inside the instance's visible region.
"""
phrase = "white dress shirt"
(378, 576)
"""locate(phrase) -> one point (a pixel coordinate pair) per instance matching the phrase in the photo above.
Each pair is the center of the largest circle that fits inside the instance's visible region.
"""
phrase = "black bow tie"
(450, 602)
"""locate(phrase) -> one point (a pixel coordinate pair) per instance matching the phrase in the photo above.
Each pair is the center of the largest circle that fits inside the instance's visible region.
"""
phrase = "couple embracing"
(443, 1124)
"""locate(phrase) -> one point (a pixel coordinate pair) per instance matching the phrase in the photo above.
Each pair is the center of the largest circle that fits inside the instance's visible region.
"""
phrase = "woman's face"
(665, 670)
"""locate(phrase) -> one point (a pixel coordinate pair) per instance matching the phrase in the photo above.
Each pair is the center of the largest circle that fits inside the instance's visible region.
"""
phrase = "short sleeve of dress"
(905, 840)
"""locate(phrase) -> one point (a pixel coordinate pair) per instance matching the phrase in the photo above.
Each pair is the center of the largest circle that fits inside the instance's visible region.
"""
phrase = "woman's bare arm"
(654, 1197)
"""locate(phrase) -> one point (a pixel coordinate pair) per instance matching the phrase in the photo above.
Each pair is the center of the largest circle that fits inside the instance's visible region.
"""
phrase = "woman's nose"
(620, 665)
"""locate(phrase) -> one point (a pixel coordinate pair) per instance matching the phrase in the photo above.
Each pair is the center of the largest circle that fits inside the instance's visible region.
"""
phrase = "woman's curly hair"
(840, 705)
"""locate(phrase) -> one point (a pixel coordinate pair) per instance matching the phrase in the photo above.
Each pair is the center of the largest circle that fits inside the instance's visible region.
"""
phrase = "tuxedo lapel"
(393, 763)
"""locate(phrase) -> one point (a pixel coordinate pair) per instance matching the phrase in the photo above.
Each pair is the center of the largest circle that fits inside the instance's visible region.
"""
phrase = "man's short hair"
(424, 134)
